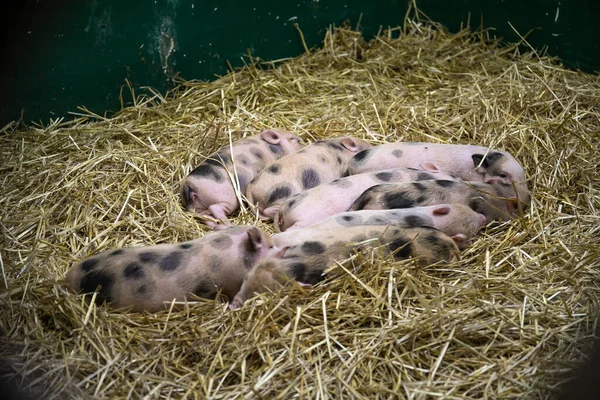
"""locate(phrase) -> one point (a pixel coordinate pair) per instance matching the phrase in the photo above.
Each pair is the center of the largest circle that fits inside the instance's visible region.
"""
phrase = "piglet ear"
(459, 238)
(255, 240)
(442, 210)
(428, 166)
(281, 253)
(479, 163)
(271, 136)
(350, 144)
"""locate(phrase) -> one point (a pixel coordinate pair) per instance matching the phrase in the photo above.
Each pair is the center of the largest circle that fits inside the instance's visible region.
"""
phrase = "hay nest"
(501, 323)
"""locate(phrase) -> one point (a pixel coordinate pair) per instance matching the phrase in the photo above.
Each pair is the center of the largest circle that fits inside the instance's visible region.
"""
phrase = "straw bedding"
(504, 322)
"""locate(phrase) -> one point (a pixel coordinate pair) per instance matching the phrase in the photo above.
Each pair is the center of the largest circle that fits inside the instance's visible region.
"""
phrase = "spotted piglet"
(458, 221)
(468, 162)
(209, 189)
(495, 201)
(318, 163)
(307, 262)
(337, 196)
(144, 278)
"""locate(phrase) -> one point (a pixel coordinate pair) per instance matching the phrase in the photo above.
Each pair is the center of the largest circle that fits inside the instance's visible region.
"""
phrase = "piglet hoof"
(235, 304)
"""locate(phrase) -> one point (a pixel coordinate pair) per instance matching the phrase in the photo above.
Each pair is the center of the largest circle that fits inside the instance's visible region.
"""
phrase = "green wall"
(62, 54)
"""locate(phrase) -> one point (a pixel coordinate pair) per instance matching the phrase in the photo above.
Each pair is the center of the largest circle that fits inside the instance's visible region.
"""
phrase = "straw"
(504, 322)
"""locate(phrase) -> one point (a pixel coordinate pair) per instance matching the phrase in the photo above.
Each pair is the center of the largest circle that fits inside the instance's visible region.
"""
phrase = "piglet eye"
(503, 175)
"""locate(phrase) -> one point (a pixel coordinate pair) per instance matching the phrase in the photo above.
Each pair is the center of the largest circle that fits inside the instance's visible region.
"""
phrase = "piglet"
(209, 189)
(468, 162)
(337, 196)
(318, 163)
(458, 221)
(144, 278)
(494, 200)
(307, 261)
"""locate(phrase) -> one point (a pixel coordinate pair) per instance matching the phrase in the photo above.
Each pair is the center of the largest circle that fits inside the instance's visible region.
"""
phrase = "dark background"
(61, 54)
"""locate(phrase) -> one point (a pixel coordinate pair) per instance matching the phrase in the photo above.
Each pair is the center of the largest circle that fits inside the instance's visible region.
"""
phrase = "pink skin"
(275, 272)
(464, 161)
(455, 220)
(318, 163)
(208, 190)
(495, 201)
(335, 197)
(217, 261)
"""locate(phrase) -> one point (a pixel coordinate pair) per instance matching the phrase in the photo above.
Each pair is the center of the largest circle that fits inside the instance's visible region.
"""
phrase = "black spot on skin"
(257, 153)
(397, 153)
(348, 220)
(422, 199)
(221, 242)
(358, 238)
(90, 282)
(431, 239)
(339, 160)
(424, 176)
(361, 156)
(149, 257)
(445, 183)
(313, 248)
(314, 276)
(171, 261)
(297, 271)
(477, 205)
(275, 169)
(335, 146)
(384, 176)
(117, 252)
(302, 273)
(402, 248)
(205, 290)
(185, 246)
(208, 171)
(341, 183)
(290, 204)
(397, 200)
(141, 290)
(489, 161)
(244, 160)
(436, 244)
(243, 181)
(215, 263)
(419, 186)
(275, 149)
(281, 192)
(414, 221)
(310, 178)
(323, 159)
(477, 160)
(89, 264)
(346, 173)
(493, 158)
(377, 220)
(133, 271)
